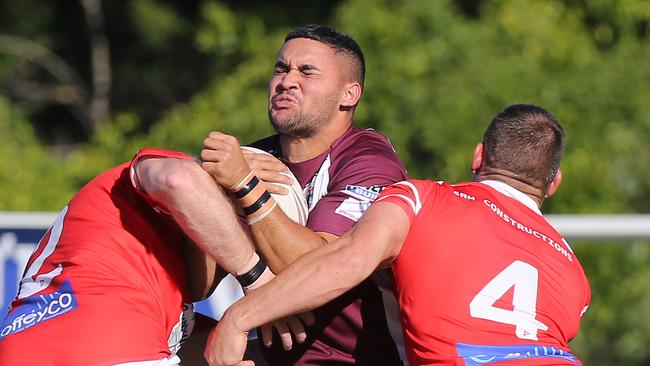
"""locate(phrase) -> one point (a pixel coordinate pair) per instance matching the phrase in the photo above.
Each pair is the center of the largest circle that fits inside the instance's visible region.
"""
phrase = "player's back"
(103, 286)
(482, 278)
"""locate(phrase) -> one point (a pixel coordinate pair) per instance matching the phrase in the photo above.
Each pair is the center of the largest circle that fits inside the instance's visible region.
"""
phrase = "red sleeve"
(151, 153)
(407, 195)
(357, 178)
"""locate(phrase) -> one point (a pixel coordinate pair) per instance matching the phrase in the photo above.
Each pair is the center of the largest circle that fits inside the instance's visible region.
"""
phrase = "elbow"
(353, 267)
(180, 176)
(174, 181)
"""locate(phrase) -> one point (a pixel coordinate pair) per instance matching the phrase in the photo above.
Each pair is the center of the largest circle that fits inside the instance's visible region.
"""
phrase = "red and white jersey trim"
(416, 205)
(509, 191)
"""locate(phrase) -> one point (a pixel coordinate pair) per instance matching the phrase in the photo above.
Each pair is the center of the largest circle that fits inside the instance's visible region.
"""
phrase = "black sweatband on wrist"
(247, 188)
(247, 279)
(258, 204)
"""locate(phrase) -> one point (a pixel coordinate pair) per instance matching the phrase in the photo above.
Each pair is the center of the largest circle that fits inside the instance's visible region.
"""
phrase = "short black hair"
(339, 41)
(526, 140)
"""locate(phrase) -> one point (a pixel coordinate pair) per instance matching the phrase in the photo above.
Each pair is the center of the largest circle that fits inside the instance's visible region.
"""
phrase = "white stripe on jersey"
(415, 206)
(320, 183)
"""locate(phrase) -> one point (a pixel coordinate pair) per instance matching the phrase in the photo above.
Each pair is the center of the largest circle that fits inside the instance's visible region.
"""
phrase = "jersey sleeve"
(146, 153)
(356, 181)
(407, 195)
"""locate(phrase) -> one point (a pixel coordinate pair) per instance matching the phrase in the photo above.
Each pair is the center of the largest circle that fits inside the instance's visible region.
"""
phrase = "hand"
(286, 326)
(269, 169)
(223, 159)
(226, 345)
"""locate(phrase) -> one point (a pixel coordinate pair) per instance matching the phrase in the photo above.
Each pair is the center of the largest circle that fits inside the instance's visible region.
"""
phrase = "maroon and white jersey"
(339, 186)
(483, 278)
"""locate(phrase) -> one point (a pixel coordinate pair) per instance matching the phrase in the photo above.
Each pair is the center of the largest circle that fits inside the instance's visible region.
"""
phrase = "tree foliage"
(437, 71)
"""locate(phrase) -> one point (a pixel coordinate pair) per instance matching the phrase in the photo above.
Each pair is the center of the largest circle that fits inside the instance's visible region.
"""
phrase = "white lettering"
(67, 298)
(50, 307)
(30, 318)
(41, 314)
(509, 220)
(16, 323)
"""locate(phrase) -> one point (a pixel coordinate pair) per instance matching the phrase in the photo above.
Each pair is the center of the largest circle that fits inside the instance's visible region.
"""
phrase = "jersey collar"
(509, 191)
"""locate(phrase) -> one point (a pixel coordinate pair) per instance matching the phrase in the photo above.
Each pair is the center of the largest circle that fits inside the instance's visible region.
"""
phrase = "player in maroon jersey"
(316, 84)
(482, 278)
(108, 282)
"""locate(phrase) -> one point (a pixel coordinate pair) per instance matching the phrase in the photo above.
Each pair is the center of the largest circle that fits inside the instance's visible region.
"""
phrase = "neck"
(515, 181)
(299, 149)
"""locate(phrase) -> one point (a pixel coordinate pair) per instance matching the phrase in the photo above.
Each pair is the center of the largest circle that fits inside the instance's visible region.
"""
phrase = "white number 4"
(524, 278)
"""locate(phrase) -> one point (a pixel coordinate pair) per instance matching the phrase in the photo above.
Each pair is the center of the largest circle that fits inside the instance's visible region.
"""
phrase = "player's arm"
(279, 239)
(200, 208)
(282, 241)
(314, 279)
(204, 274)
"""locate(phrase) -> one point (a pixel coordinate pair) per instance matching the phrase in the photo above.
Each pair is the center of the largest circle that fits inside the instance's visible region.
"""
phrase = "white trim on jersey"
(320, 183)
(509, 191)
(415, 206)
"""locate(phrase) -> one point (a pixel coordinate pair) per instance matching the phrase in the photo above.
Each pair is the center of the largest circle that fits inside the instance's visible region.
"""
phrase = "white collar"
(510, 191)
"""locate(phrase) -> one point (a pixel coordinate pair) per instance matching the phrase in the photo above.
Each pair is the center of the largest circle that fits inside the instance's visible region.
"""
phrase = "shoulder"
(416, 189)
(365, 148)
(363, 141)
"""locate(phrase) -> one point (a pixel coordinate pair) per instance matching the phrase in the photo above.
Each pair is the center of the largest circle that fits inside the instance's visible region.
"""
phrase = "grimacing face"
(306, 87)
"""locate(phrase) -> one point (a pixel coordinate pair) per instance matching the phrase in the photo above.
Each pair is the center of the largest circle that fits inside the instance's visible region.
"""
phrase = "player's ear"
(477, 160)
(352, 94)
(555, 184)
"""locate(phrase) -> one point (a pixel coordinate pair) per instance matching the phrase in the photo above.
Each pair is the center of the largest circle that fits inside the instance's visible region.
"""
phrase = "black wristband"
(247, 279)
(258, 204)
(247, 188)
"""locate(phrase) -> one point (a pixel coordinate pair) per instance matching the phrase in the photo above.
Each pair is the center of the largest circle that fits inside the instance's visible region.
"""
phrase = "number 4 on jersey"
(524, 278)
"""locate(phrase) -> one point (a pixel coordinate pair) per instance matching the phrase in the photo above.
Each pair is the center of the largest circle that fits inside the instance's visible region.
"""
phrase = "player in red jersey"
(316, 84)
(108, 282)
(482, 278)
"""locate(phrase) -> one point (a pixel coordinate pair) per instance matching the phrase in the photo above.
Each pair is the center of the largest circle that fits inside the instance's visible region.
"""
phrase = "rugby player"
(315, 88)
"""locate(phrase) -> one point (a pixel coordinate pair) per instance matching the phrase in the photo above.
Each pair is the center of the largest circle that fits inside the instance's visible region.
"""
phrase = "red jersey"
(106, 283)
(483, 278)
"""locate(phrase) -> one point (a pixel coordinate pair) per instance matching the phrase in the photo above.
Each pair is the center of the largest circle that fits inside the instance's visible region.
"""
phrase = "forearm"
(204, 274)
(312, 280)
(282, 241)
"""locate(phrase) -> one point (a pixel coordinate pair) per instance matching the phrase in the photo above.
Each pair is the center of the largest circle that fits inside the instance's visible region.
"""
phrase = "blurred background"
(85, 83)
